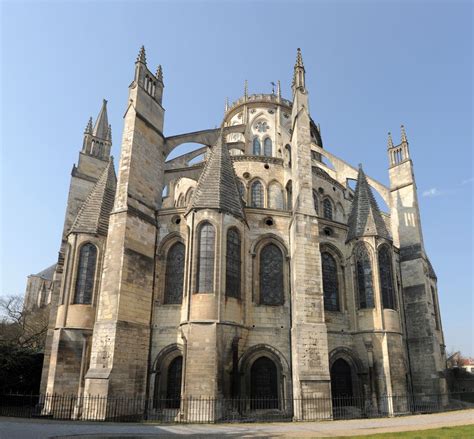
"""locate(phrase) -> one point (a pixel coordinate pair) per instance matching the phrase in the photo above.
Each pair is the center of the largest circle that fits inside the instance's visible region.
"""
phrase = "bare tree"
(21, 328)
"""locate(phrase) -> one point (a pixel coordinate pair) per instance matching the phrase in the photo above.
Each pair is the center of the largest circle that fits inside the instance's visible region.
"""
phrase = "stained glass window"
(316, 203)
(267, 147)
(327, 208)
(205, 271)
(364, 278)
(257, 194)
(233, 264)
(174, 274)
(85, 274)
(256, 146)
(330, 282)
(271, 275)
(275, 196)
(386, 278)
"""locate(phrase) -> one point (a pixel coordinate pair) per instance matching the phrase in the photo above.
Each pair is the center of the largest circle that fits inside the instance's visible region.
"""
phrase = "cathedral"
(258, 266)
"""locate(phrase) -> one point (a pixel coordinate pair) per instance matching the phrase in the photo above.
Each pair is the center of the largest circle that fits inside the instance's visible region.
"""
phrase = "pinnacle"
(389, 141)
(101, 126)
(299, 58)
(159, 73)
(142, 55)
(403, 134)
(88, 129)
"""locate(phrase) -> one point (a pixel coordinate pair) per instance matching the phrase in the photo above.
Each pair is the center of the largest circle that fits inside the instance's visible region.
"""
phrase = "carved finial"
(389, 141)
(159, 73)
(141, 55)
(246, 89)
(278, 90)
(403, 134)
(299, 58)
(88, 129)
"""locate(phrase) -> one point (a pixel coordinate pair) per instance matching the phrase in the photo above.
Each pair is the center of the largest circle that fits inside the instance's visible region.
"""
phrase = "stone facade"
(255, 272)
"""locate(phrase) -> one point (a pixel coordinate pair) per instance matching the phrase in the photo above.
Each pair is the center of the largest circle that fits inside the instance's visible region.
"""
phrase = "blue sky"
(371, 66)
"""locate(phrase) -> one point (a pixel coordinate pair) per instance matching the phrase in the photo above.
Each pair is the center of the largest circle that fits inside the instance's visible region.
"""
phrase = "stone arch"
(248, 359)
(73, 300)
(357, 368)
(159, 379)
(336, 253)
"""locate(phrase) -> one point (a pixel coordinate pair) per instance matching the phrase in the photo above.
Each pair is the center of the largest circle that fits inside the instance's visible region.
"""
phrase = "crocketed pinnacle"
(299, 58)
(389, 141)
(365, 218)
(101, 127)
(159, 73)
(217, 186)
(141, 55)
(88, 129)
(403, 134)
(93, 216)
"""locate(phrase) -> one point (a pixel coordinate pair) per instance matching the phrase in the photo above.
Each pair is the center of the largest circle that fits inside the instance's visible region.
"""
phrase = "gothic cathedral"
(249, 268)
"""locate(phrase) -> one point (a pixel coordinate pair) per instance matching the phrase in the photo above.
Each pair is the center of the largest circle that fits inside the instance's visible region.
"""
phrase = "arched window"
(330, 282)
(205, 270)
(241, 188)
(271, 275)
(364, 278)
(264, 384)
(275, 196)
(257, 149)
(327, 208)
(316, 202)
(386, 278)
(173, 383)
(257, 194)
(85, 274)
(289, 195)
(189, 196)
(267, 147)
(233, 264)
(174, 275)
(288, 154)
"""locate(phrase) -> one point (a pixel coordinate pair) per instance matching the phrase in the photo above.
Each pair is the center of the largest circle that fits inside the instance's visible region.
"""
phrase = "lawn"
(464, 431)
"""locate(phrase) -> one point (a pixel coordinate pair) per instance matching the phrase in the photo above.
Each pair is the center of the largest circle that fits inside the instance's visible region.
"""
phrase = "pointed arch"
(85, 277)
(233, 263)
(257, 194)
(364, 277)
(275, 196)
(386, 278)
(256, 146)
(267, 147)
(328, 208)
(206, 256)
(330, 281)
(174, 275)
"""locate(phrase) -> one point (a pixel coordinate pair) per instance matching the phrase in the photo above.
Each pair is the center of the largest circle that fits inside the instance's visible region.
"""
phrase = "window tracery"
(233, 264)
(257, 194)
(205, 271)
(271, 275)
(330, 282)
(174, 275)
(364, 278)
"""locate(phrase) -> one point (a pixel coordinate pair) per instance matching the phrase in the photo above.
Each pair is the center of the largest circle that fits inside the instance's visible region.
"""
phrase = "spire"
(88, 129)
(246, 89)
(101, 126)
(93, 216)
(365, 218)
(403, 134)
(159, 73)
(389, 141)
(298, 72)
(141, 55)
(217, 185)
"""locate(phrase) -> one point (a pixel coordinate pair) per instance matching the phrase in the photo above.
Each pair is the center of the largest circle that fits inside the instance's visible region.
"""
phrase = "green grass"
(464, 431)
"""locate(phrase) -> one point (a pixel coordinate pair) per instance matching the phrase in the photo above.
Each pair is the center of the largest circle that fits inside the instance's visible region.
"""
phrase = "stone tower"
(120, 343)
(418, 282)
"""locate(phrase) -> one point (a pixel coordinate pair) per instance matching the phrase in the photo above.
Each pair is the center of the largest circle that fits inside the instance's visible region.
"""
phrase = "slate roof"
(47, 273)
(365, 218)
(217, 185)
(93, 217)
(101, 127)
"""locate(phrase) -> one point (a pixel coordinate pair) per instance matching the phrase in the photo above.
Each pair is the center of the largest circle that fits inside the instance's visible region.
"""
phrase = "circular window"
(269, 221)
(246, 175)
(321, 190)
(328, 231)
(266, 166)
(176, 219)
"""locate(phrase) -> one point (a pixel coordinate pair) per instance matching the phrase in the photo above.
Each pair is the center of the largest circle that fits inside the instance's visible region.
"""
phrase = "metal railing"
(210, 410)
